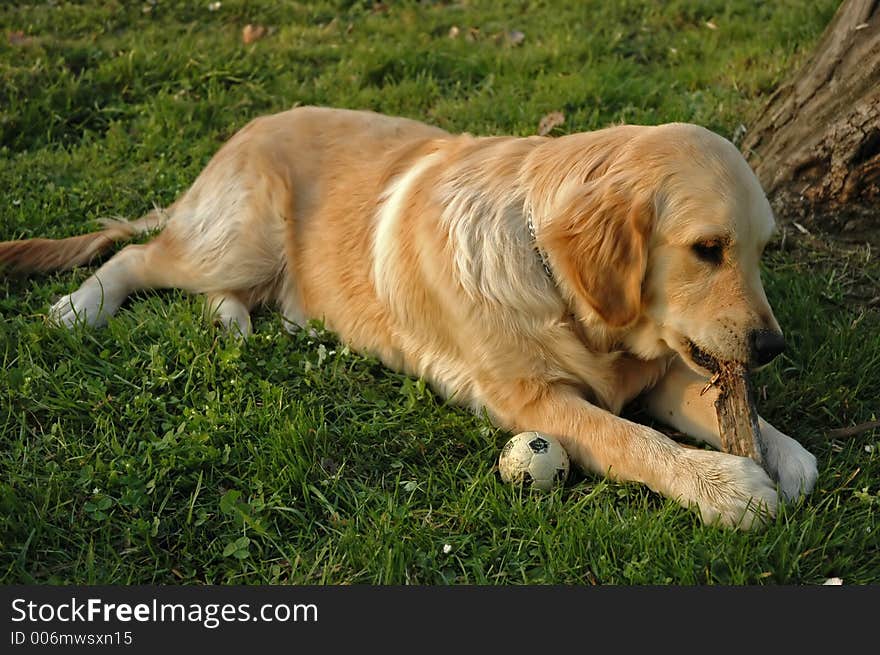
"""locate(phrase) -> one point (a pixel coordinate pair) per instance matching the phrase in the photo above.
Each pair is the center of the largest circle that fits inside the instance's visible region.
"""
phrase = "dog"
(547, 281)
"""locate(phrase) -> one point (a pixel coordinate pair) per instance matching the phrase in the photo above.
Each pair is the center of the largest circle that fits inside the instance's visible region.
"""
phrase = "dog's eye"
(711, 252)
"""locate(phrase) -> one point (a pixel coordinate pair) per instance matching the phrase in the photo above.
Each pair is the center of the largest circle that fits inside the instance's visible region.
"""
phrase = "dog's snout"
(766, 345)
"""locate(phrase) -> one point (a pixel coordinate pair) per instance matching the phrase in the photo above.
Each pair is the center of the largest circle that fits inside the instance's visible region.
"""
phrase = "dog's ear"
(596, 237)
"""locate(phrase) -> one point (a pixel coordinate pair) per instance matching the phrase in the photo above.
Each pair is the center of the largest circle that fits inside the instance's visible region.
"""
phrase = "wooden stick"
(737, 415)
(854, 430)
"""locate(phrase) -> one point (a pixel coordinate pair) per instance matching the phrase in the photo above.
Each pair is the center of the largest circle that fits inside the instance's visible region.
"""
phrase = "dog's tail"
(45, 255)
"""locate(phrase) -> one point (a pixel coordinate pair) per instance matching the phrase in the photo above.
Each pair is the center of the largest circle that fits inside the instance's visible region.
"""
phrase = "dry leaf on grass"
(551, 120)
(18, 38)
(251, 33)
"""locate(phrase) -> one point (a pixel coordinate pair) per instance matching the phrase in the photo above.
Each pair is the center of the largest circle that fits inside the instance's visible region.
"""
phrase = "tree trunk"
(816, 146)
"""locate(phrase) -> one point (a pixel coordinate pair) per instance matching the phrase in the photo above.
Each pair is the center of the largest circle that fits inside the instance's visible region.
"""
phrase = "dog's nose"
(766, 344)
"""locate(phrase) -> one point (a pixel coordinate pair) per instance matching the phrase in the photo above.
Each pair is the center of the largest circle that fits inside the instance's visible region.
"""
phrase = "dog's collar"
(545, 263)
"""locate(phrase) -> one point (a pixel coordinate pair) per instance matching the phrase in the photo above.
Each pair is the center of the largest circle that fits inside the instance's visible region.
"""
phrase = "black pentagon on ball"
(507, 448)
(561, 475)
(539, 445)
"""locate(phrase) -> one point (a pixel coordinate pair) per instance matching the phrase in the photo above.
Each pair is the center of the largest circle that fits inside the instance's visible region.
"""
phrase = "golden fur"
(414, 245)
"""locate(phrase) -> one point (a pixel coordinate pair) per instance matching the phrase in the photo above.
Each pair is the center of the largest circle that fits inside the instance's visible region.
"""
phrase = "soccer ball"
(534, 459)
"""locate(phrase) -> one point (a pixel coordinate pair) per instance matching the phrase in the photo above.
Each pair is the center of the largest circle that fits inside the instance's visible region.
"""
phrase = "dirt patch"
(851, 225)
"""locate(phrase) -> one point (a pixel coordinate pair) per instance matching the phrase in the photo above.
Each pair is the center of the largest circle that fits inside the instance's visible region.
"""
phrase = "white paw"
(87, 306)
(730, 490)
(794, 464)
(231, 313)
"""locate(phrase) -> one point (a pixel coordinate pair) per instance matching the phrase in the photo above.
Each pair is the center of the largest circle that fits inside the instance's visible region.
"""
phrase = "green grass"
(158, 450)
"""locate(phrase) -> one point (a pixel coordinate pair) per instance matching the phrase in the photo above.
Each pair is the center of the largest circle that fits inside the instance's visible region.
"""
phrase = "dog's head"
(662, 246)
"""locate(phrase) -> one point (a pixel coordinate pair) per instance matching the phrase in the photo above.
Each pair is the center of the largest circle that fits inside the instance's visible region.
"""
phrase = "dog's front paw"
(730, 490)
(795, 466)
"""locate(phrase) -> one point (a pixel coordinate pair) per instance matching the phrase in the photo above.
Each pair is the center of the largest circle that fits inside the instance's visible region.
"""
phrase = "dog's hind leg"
(224, 238)
(137, 267)
(144, 266)
(103, 292)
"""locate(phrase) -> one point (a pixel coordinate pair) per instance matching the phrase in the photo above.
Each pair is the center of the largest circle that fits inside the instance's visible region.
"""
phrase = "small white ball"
(534, 459)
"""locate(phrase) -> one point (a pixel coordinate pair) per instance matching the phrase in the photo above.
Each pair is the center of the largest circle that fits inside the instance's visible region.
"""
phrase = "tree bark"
(816, 145)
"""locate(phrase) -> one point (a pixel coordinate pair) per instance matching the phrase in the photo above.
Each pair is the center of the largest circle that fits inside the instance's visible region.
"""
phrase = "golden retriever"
(548, 280)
